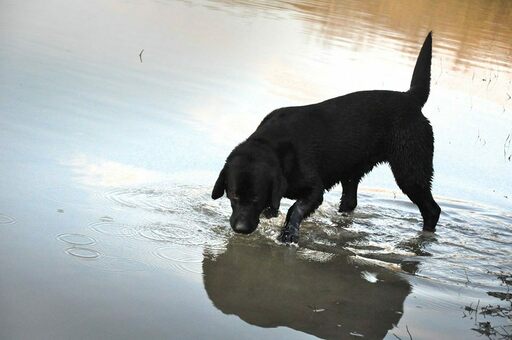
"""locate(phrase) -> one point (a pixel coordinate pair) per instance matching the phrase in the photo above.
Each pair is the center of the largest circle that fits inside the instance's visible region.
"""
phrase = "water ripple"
(471, 239)
(383, 228)
(180, 254)
(182, 258)
(111, 228)
(82, 252)
(183, 235)
(6, 219)
(76, 239)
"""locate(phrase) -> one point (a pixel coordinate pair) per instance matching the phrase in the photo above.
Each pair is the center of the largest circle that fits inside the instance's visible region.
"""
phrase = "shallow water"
(107, 229)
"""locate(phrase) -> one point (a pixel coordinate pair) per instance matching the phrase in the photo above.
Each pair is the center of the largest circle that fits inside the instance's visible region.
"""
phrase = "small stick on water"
(396, 336)
(467, 278)
(506, 146)
(476, 310)
(314, 309)
(140, 55)
(407, 328)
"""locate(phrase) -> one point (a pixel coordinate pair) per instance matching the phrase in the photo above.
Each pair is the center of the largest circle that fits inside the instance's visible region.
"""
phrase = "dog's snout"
(243, 220)
(242, 227)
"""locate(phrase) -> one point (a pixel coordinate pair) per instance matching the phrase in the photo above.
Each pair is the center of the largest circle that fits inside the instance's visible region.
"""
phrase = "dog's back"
(350, 134)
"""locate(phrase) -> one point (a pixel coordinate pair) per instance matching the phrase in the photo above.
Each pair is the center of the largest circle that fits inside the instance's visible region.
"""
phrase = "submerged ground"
(116, 117)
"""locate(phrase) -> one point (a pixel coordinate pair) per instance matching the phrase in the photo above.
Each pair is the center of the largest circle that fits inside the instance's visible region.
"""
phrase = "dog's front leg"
(270, 212)
(301, 209)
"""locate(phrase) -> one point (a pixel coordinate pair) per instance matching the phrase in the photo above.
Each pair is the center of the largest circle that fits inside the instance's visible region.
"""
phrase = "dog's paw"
(346, 206)
(429, 228)
(289, 235)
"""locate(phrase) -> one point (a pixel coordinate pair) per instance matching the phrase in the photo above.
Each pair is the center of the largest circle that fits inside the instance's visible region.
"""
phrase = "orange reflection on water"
(472, 33)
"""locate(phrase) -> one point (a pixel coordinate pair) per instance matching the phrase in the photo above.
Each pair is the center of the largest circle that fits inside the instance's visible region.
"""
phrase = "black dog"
(298, 152)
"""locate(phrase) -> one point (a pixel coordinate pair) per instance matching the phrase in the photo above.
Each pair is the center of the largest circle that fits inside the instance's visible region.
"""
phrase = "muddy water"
(108, 156)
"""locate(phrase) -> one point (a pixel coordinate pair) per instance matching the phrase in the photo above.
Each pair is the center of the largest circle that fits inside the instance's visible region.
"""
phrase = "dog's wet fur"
(299, 152)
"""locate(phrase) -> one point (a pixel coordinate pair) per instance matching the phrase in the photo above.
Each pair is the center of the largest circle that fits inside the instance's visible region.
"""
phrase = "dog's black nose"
(242, 228)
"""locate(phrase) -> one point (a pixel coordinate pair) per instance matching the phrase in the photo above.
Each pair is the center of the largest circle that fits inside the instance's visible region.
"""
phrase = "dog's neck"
(261, 144)
(256, 150)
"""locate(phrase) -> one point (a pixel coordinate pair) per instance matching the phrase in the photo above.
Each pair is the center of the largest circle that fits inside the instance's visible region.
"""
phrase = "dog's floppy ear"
(220, 185)
(278, 189)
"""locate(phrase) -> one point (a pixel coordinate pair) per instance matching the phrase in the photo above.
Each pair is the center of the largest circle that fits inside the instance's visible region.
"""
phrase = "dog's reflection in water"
(326, 296)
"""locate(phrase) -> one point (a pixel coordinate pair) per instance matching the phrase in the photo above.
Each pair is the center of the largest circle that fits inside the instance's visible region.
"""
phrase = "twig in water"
(410, 336)
(476, 310)
(140, 55)
(314, 309)
(469, 309)
(481, 140)
(506, 146)
(467, 278)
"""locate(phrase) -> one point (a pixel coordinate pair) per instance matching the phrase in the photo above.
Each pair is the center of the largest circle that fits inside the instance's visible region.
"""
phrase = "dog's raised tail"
(420, 83)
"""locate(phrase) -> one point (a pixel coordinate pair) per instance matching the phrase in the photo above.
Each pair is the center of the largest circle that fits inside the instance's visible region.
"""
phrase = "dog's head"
(252, 186)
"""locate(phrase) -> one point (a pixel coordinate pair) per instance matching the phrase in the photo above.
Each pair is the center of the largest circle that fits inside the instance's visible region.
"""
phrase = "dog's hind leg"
(422, 197)
(348, 200)
(412, 168)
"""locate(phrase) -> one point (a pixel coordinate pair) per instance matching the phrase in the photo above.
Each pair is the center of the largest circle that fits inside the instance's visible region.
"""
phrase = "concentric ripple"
(180, 254)
(169, 232)
(187, 214)
(173, 199)
(111, 228)
(182, 235)
(150, 199)
(76, 239)
(82, 252)
(182, 258)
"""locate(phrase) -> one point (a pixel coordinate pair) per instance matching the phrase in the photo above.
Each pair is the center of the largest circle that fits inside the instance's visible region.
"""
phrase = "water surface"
(108, 156)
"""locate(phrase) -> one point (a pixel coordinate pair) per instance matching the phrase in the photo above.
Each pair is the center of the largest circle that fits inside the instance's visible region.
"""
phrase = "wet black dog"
(298, 152)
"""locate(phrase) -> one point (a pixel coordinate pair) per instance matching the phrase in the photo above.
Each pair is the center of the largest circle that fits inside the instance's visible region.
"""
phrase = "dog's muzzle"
(242, 228)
